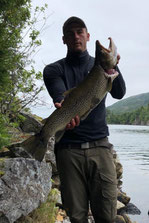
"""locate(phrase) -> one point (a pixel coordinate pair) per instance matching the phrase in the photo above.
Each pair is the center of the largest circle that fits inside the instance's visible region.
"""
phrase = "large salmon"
(80, 101)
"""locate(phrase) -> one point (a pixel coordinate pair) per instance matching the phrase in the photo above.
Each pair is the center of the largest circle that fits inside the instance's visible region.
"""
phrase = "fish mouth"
(107, 50)
(112, 73)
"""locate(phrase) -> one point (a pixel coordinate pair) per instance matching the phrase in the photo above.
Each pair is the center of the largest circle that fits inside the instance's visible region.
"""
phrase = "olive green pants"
(88, 177)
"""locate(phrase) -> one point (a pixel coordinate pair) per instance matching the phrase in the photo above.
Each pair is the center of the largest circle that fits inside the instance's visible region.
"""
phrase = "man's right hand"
(74, 121)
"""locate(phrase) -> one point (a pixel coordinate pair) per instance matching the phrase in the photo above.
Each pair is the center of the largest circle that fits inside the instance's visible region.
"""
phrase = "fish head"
(106, 57)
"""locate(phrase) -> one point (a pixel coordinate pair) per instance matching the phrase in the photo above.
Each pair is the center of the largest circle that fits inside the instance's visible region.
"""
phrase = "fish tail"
(35, 147)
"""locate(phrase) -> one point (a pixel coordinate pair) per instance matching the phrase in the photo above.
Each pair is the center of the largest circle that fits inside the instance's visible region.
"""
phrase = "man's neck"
(77, 57)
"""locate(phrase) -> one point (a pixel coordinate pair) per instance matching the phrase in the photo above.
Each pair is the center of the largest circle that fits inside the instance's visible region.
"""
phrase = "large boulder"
(24, 185)
(30, 124)
(122, 197)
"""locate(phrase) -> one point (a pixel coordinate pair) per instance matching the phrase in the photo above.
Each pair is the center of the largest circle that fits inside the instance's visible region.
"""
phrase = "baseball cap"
(72, 20)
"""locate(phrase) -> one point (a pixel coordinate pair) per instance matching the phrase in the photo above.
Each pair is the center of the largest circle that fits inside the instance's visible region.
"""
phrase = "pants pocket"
(109, 196)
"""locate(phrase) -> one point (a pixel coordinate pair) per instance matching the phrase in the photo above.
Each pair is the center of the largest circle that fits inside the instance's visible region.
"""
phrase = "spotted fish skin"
(80, 101)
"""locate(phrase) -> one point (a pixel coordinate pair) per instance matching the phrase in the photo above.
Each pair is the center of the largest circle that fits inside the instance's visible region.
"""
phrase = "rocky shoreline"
(25, 183)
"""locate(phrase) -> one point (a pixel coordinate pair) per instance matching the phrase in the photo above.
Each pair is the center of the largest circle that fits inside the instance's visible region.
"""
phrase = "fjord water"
(132, 146)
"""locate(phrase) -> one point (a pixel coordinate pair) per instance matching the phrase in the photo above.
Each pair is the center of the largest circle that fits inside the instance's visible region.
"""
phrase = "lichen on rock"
(24, 186)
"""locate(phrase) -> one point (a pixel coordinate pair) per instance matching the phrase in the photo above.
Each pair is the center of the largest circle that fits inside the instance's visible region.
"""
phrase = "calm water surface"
(132, 146)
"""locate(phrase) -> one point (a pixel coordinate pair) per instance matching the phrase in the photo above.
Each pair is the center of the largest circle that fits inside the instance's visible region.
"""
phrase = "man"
(83, 155)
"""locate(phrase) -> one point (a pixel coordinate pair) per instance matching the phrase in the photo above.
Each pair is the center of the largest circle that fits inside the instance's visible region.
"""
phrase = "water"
(132, 146)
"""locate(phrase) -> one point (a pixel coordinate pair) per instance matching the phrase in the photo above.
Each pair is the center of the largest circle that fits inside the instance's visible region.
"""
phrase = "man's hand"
(74, 121)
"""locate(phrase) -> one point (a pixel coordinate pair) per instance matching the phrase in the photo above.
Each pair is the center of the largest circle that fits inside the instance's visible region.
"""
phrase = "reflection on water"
(132, 146)
(131, 142)
(144, 131)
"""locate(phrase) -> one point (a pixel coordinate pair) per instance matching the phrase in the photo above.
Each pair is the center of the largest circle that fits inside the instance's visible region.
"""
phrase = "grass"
(46, 213)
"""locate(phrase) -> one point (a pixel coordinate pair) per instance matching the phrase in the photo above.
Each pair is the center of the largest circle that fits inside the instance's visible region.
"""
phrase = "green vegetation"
(4, 136)
(2, 166)
(139, 117)
(19, 40)
(46, 213)
(130, 104)
(133, 110)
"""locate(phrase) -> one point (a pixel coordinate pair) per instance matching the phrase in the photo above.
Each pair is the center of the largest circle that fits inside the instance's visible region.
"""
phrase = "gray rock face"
(24, 185)
(130, 209)
(50, 156)
(31, 124)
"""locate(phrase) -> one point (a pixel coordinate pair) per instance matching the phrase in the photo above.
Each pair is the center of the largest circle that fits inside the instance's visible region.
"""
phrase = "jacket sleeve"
(118, 87)
(54, 83)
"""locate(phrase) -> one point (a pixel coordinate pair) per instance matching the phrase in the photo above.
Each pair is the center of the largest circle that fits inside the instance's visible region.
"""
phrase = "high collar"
(77, 58)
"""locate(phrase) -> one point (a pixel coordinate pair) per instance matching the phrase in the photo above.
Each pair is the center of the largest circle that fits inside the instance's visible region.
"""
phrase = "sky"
(126, 22)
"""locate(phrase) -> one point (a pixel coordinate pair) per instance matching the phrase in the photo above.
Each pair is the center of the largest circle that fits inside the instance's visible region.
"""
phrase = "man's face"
(76, 38)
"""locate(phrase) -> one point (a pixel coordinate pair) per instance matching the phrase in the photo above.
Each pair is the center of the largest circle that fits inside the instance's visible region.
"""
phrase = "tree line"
(19, 41)
(138, 117)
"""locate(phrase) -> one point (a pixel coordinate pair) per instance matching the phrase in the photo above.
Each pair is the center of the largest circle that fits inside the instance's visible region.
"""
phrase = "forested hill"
(130, 104)
(131, 111)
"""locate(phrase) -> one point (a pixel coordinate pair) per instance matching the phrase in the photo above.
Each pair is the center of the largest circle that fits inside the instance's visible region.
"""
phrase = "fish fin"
(66, 93)
(59, 135)
(33, 146)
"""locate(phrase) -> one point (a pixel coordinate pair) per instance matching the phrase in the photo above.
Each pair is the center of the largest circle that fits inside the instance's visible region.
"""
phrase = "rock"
(114, 154)
(24, 185)
(119, 170)
(3, 219)
(120, 206)
(56, 196)
(119, 219)
(30, 124)
(126, 218)
(129, 209)
(122, 197)
(50, 158)
(119, 185)
(56, 181)
(66, 220)
(17, 151)
(132, 209)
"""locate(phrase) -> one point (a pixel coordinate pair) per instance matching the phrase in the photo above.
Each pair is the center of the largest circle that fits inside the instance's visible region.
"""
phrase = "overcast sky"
(126, 22)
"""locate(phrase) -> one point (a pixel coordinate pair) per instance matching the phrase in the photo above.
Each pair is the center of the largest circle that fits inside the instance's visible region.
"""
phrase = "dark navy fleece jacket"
(68, 73)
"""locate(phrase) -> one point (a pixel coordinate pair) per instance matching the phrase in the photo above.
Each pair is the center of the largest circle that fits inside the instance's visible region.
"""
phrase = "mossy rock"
(119, 219)
(2, 167)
